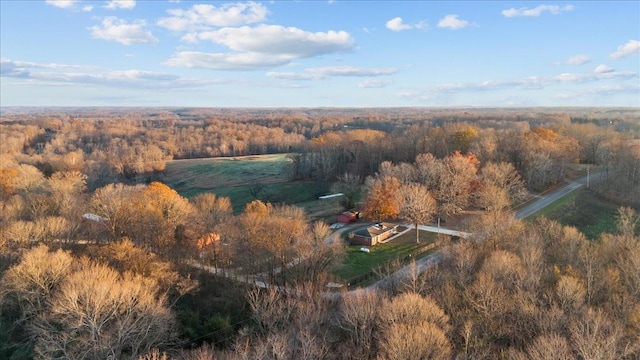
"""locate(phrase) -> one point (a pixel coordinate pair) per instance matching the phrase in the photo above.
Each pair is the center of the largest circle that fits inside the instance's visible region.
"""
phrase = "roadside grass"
(583, 210)
(358, 263)
(553, 208)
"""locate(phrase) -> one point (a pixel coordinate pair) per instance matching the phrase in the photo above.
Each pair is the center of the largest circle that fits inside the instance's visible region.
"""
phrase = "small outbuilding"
(347, 217)
(373, 235)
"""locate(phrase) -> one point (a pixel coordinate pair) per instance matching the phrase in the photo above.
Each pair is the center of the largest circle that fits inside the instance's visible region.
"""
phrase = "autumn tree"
(417, 206)
(547, 155)
(7, 187)
(383, 199)
(162, 220)
(461, 140)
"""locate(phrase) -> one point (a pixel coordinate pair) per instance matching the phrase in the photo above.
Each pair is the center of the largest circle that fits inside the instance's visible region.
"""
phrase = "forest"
(99, 258)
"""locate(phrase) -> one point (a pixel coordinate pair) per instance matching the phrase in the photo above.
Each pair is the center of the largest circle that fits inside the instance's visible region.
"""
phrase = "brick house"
(373, 234)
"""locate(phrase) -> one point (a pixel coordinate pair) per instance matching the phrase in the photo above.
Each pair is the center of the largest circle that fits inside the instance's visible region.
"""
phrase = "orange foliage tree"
(383, 199)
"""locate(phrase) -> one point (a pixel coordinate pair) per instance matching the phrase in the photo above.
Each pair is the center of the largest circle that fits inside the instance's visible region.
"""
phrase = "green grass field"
(241, 179)
(213, 173)
(358, 263)
(582, 209)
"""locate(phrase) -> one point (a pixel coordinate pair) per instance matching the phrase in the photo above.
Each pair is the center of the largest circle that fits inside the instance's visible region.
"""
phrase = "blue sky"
(319, 53)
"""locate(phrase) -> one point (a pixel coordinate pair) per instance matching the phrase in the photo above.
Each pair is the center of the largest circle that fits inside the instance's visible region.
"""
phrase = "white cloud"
(120, 4)
(578, 59)
(374, 83)
(8, 66)
(352, 71)
(537, 11)
(260, 47)
(278, 40)
(397, 24)
(234, 61)
(610, 74)
(602, 68)
(319, 73)
(452, 22)
(87, 8)
(205, 16)
(293, 76)
(632, 47)
(114, 29)
(526, 83)
(81, 74)
(65, 4)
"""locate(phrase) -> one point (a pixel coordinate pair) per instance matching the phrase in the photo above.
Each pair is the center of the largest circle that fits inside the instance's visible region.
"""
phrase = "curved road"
(547, 199)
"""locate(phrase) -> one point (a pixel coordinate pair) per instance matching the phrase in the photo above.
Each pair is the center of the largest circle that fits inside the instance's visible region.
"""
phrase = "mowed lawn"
(357, 263)
(242, 179)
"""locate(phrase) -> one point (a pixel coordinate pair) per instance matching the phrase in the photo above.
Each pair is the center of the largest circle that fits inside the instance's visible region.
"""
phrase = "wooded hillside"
(99, 259)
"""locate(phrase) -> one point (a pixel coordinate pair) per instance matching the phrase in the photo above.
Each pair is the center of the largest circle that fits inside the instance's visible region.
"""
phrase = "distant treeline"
(132, 145)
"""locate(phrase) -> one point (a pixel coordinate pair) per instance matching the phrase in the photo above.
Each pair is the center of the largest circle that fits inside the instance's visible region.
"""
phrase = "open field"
(243, 179)
(358, 263)
(582, 209)
(211, 173)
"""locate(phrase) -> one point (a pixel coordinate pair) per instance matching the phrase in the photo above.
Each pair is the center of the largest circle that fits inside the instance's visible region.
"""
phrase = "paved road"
(546, 199)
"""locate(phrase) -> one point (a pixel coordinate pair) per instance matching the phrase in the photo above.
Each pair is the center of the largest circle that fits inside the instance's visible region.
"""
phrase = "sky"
(319, 53)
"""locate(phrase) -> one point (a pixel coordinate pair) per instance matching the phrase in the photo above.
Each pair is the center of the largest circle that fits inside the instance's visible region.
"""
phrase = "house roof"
(350, 214)
(375, 230)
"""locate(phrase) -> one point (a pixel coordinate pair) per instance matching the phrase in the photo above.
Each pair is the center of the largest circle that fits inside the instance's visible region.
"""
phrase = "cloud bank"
(537, 11)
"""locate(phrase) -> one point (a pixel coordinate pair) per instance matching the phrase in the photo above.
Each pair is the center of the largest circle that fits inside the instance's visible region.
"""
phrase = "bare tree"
(350, 185)
(113, 202)
(505, 176)
(31, 283)
(627, 222)
(417, 206)
(595, 336)
(550, 347)
(419, 341)
(98, 313)
(358, 318)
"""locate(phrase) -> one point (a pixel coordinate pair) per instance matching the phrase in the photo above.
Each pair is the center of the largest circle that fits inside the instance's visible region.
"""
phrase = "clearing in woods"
(242, 179)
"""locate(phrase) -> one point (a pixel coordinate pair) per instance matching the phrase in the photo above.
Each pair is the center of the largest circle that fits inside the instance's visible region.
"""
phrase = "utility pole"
(588, 177)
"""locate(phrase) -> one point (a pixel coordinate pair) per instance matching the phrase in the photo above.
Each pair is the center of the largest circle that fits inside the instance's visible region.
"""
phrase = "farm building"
(347, 217)
(373, 235)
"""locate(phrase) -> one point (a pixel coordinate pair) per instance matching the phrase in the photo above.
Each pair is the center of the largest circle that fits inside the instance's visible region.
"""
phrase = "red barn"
(347, 217)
